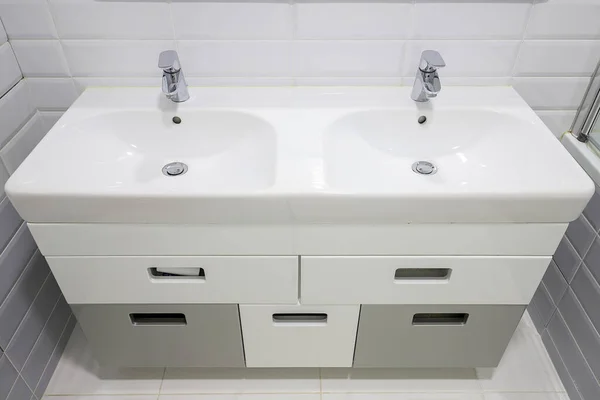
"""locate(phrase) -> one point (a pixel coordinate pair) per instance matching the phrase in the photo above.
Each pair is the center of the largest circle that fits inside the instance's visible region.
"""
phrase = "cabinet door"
(163, 335)
(434, 336)
(299, 336)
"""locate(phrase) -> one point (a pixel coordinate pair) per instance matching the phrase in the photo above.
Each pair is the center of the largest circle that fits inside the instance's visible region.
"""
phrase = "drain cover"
(424, 167)
(174, 169)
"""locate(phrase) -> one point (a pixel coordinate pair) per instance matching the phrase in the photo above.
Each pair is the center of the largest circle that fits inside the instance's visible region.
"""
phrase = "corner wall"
(35, 320)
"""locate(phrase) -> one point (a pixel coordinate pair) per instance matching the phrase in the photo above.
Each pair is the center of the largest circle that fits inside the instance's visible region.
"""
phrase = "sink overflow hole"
(422, 119)
(174, 169)
(424, 168)
(176, 120)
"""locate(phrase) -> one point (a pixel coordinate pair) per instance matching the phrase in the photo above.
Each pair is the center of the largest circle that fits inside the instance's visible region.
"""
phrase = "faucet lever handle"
(169, 61)
(431, 60)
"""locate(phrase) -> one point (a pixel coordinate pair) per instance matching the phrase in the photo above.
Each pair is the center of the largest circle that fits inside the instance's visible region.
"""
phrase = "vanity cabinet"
(319, 296)
(159, 335)
(434, 336)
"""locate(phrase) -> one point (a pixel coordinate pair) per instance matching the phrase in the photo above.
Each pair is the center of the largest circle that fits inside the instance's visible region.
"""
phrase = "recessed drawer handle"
(422, 274)
(177, 273)
(299, 319)
(458, 319)
(157, 319)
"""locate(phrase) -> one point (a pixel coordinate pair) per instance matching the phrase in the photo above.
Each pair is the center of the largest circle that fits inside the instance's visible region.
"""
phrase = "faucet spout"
(427, 82)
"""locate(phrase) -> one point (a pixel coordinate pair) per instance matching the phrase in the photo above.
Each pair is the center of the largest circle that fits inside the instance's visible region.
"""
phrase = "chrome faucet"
(174, 85)
(427, 83)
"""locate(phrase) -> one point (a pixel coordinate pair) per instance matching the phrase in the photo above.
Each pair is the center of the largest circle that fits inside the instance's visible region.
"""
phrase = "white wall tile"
(238, 81)
(27, 19)
(51, 118)
(552, 93)
(236, 58)
(9, 68)
(468, 58)
(558, 58)
(3, 37)
(558, 121)
(40, 57)
(25, 140)
(565, 19)
(83, 83)
(353, 20)
(115, 57)
(470, 20)
(91, 19)
(214, 20)
(348, 58)
(52, 93)
(15, 110)
(348, 81)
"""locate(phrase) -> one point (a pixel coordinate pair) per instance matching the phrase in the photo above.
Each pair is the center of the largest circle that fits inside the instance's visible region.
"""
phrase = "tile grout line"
(37, 340)
(54, 350)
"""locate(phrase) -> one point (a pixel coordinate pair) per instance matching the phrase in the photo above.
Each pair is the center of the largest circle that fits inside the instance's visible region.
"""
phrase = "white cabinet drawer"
(420, 280)
(120, 280)
(299, 336)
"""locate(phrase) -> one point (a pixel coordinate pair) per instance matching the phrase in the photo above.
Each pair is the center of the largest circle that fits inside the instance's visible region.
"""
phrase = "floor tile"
(376, 380)
(403, 396)
(526, 396)
(525, 367)
(239, 380)
(78, 373)
(305, 396)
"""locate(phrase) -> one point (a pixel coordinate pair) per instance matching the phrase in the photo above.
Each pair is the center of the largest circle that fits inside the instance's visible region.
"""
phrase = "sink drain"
(174, 169)
(424, 168)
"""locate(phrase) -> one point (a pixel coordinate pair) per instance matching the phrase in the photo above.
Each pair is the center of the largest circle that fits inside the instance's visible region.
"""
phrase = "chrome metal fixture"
(174, 85)
(427, 82)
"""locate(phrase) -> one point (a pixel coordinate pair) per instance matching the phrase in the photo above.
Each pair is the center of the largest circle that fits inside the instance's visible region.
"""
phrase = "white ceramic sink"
(125, 151)
(475, 151)
(307, 155)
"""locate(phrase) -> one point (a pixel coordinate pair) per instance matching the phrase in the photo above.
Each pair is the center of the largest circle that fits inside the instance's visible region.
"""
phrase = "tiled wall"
(35, 320)
(547, 50)
(566, 306)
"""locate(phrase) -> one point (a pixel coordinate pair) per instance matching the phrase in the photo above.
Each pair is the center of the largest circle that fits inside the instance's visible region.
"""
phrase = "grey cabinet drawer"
(163, 335)
(432, 336)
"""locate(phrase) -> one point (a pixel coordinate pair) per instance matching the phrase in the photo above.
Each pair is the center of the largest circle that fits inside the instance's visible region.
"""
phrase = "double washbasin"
(307, 155)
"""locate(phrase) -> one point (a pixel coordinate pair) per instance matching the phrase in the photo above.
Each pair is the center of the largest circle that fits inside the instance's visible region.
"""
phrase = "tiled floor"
(525, 373)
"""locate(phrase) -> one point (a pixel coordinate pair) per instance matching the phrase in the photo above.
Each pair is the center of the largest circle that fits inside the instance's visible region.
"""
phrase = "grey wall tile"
(560, 367)
(14, 259)
(543, 304)
(592, 210)
(555, 282)
(4, 175)
(536, 318)
(9, 222)
(592, 259)
(20, 391)
(588, 292)
(55, 358)
(43, 348)
(20, 347)
(578, 368)
(581, 234)
(566, 258)
(21, 297)
(8, 376)
(582, 330)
